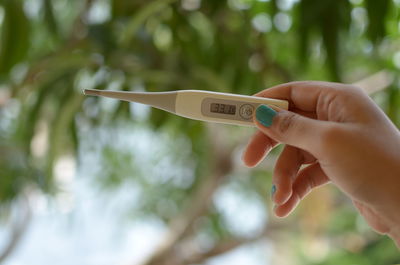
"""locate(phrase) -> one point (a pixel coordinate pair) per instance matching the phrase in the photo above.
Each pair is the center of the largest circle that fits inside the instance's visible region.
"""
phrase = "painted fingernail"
(273, 190)
(265, 115)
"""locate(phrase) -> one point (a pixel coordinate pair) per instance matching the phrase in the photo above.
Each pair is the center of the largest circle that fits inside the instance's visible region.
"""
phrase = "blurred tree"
(51, 49)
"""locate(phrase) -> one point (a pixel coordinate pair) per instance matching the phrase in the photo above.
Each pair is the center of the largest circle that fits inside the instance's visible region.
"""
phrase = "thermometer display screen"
(223, 108)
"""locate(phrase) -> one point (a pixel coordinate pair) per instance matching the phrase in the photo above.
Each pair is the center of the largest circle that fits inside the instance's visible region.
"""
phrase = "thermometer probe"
(198, 104)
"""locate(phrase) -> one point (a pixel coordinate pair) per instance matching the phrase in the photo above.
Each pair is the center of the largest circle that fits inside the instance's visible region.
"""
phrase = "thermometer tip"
(91, 92)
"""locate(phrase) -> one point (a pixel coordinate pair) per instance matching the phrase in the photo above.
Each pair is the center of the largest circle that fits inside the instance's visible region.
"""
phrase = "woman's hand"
(343, 138)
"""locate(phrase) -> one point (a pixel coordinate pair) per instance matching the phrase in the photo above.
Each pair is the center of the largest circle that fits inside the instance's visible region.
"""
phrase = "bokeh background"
(87, 180)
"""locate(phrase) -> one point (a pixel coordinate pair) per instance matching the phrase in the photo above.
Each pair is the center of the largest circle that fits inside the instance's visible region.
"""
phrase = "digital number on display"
(223, 108)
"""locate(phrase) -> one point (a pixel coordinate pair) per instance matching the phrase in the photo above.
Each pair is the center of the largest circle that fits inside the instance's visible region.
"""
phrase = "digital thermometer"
(198, 104)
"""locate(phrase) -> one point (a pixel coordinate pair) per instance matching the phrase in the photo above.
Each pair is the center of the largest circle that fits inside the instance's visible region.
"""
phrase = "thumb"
(289, 128)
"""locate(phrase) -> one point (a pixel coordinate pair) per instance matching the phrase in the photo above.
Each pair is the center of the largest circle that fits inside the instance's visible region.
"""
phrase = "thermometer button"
(246, 111)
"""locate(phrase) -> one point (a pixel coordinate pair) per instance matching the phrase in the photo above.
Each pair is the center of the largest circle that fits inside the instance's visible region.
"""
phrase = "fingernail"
(273, 190)
(264, 115)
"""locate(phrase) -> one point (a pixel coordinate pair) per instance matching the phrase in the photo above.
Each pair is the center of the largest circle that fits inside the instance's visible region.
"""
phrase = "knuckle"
(282, 174)
(287, 122)
(355, 89)
(350, 92)
(311, 184)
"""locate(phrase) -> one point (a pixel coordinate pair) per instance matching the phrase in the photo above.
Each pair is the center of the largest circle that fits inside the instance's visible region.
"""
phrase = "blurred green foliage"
(51, 49)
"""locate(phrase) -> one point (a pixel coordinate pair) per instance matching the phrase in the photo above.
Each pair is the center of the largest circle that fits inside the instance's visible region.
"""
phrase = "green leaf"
(49, 18)
(123, 8)
(31, 113)
(16, 172)
(330, 38)
(328, 18)
(158, 118)
(377, 13)
(138, 19)
(117, 7)
(274, 8)
(69, 106)
(15, 36)
(102, 35)
(309, 15)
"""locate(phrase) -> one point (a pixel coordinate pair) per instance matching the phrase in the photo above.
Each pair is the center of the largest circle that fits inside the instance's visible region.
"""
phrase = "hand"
(343, 138)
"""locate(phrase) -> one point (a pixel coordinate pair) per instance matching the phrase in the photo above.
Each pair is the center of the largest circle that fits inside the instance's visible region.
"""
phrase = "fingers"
(290, 128)
(303, 95)
(309, 178)
(286, 169)
(257, 148)
(260, 145)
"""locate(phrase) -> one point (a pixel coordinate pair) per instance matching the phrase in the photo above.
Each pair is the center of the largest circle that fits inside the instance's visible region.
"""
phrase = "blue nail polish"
(273, 190)
(265, 115)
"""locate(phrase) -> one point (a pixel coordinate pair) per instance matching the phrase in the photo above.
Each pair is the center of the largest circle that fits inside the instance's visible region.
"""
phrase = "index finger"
(257, 149)
(302, 95)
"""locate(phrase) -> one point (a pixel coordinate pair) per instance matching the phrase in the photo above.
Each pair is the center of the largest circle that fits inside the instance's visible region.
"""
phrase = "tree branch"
(199, 203)
(231, 244)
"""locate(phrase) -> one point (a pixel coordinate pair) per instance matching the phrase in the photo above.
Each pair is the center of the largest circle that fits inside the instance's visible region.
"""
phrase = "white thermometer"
(198, 104)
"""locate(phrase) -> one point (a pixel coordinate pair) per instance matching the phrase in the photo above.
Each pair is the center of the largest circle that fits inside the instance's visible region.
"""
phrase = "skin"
(343, 138)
